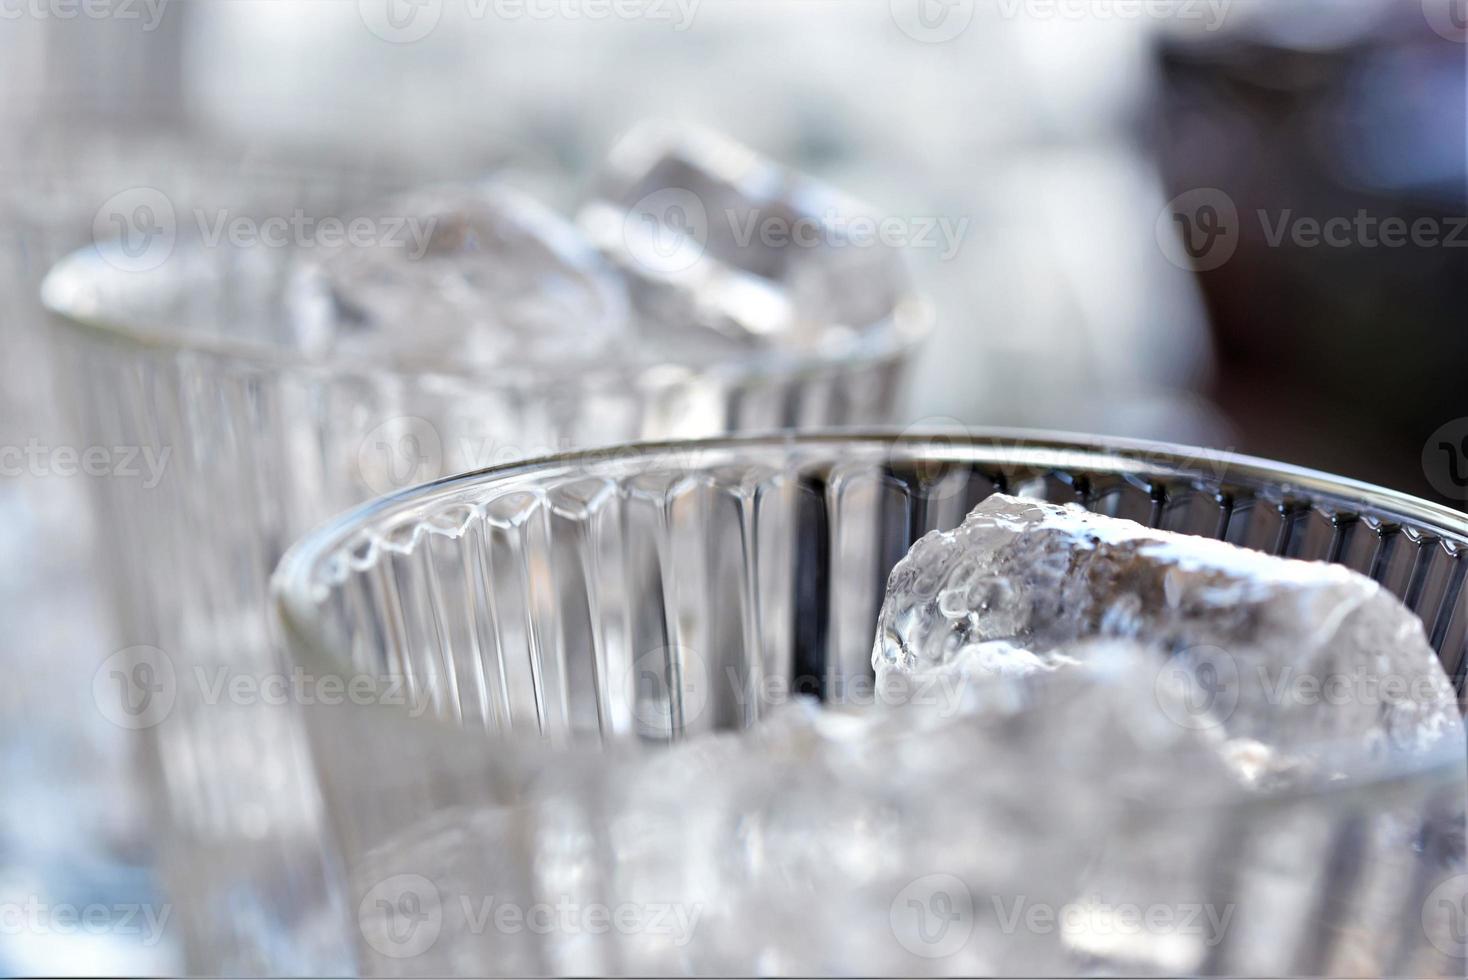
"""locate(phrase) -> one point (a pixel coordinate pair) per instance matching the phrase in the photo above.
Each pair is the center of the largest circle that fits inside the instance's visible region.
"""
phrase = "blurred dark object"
(1340, 318)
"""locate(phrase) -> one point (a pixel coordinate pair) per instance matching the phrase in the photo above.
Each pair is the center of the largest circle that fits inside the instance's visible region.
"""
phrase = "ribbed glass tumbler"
(64, 187)
(242, 439)
(513, 634)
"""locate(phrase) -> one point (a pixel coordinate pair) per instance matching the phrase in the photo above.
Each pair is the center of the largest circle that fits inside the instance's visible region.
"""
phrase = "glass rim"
(973, 444)
(296, 585)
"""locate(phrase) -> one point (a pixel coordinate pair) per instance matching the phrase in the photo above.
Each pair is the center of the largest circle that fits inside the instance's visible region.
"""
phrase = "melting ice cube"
(1285, 656)
(726, 249)
(476, 275)
(814, 843)
(1287, 670)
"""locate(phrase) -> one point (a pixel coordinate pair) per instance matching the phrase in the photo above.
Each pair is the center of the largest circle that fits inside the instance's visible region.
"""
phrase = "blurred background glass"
(1228, 222)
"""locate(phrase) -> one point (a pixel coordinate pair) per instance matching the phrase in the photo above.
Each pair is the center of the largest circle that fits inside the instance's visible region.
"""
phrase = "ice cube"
(1288, 670)
(728, 250)
(1286, 656)
(475, 274)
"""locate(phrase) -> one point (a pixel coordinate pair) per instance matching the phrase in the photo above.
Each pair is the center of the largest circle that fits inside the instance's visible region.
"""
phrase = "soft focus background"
(1236, 223)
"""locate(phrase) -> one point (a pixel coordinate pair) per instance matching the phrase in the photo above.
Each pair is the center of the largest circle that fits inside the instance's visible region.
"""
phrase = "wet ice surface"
(1281, 656)
(462, 275)
(691, 250)
(801, 845)
(726, 250)
(1069, 796)
(1024, 838)
(1288, 672)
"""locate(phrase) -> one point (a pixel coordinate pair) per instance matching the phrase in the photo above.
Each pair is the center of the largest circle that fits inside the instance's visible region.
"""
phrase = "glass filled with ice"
(990, 703)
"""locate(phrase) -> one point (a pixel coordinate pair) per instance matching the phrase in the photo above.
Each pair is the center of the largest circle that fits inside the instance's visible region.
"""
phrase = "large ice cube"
(1295, 674)
(1286, 656)
(475, 275)
(728, 250)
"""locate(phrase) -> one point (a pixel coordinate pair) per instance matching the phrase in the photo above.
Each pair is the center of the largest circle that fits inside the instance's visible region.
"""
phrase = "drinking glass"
(176, 349)
(71, 768)
(507, 625)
